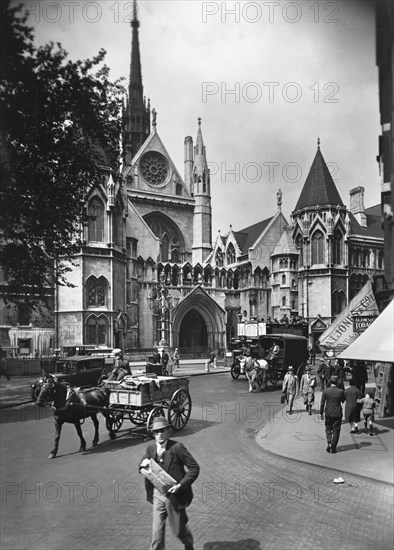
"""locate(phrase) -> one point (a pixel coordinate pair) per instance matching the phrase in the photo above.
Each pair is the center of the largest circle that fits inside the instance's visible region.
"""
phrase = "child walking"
(368, 411)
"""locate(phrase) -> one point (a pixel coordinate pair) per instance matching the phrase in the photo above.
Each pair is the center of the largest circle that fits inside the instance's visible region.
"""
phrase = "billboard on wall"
(340, 334)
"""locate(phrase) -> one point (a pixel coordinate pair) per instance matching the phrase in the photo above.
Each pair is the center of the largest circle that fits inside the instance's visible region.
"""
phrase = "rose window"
(154, 168)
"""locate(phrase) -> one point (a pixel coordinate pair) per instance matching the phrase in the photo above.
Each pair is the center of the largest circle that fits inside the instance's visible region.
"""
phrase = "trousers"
(163, 510)
(333, 430)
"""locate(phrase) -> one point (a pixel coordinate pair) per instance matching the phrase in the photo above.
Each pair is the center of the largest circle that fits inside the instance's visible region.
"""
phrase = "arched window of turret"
(97, 330)
(337, 248)
(178, 189)
(283, 301)
(96, 222)
(96, 292)
(204, 183)
(293, 305)
(283, 279)
(230, 253)
(318, 248)
(164, 248)
(129, 180)
(118, 225)
(219, 257)
(300, 248)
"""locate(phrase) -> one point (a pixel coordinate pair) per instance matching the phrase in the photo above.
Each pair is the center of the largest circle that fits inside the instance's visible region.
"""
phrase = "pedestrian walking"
(176, 358)
(339, 370)
(212, 360)
(360, 375)
(368, 411)
(312, 354)
(172, 457)
(331, 406)
(290, 387)
(3, 365)
(164, 361)
(307, 388)
(320, 374)
(352, 407)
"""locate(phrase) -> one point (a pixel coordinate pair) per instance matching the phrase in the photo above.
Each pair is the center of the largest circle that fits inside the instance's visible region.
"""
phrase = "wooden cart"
(143, 398)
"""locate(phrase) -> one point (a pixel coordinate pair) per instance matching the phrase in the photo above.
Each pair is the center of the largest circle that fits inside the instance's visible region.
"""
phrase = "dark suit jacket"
(332, 399)
(176, 458)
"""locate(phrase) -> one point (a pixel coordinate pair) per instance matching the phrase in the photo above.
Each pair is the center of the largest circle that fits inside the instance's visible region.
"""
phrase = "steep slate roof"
(285, 245)
(319, 187)
(248, 236)
(374, 227)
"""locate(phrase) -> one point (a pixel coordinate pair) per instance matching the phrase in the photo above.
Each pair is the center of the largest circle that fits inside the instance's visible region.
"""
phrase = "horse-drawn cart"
(143, 398)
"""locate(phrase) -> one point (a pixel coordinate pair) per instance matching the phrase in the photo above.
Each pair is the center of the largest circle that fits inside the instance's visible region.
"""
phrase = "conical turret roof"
(319, 187)
(285, 245)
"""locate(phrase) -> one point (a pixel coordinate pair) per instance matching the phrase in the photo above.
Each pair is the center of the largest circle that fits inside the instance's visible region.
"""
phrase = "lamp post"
(161, 303)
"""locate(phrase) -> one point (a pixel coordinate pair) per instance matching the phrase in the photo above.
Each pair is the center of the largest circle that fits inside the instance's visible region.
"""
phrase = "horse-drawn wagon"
(143, 398)
(140, 399)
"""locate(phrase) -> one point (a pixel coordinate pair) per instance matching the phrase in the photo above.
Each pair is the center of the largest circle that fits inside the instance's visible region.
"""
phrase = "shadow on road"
(246, 544)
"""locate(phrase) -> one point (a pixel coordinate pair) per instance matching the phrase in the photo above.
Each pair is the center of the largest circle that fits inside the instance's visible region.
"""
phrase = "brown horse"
(72, 406)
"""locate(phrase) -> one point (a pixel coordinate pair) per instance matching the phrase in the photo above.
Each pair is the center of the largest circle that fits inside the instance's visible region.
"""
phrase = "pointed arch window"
(230, 254)
(318, 248)
(338, 248)
(300, 248)
(165, 247)
(97, 330)
(283, 279)
(219, 257)
(96, 292)
(283, 301)
(96, 221)
(118, 225)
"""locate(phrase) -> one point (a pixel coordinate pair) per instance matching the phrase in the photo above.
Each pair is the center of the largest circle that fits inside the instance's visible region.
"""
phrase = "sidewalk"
(302, 437)
(17, 391)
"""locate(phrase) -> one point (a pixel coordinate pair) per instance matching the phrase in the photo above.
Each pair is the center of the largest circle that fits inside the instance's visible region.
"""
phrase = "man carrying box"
(169, 496)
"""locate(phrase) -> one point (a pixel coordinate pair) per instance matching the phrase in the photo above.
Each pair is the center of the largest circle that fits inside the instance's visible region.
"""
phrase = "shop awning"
(377, 342)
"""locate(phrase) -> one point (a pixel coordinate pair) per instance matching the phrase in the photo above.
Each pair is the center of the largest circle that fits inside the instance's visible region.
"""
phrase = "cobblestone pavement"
(245, 497)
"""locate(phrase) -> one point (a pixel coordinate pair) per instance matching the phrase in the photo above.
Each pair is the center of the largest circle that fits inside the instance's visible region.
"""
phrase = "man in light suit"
(290, 387)
(172, 456)
(307, 388)
(331, 405)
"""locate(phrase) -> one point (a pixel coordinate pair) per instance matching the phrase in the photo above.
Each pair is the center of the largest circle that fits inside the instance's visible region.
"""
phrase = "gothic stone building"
(150, 239)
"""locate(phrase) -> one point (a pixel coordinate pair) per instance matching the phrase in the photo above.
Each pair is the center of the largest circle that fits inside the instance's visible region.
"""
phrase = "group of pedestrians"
(332, 378)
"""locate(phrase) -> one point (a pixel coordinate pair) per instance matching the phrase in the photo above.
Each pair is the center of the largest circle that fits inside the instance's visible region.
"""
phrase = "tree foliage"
(60, 124)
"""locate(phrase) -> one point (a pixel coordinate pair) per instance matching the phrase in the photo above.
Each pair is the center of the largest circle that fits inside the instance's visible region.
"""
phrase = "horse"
(256, 371)
(72, 406)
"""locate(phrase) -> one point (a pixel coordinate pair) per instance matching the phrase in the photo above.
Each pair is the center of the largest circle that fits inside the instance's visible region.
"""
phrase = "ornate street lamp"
(161, 303)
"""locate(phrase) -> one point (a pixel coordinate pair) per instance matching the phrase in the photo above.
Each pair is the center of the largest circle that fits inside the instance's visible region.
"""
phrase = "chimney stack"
(357, 207)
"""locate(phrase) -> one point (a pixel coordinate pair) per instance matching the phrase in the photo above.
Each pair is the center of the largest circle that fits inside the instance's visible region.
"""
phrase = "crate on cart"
(140, 391)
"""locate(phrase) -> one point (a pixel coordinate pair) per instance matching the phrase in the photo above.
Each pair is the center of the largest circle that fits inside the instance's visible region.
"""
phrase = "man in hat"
(172, 457)
(331, 405)
(307, 388)
(290, 387)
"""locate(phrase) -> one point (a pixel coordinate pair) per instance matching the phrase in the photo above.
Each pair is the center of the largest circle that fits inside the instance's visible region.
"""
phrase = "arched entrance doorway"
(193, 333)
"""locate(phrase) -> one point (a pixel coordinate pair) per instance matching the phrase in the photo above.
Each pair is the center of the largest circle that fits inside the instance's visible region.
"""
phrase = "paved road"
(245, 497)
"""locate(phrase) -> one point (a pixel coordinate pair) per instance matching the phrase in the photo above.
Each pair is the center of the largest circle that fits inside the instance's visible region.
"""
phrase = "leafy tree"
(60, 124)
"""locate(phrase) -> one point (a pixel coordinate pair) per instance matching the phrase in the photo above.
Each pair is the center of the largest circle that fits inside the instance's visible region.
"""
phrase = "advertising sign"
(340, 334)
(252, 329)
(362, 322)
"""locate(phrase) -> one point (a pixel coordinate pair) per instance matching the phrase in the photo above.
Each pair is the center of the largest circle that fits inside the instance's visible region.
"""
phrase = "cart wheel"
(139, 417)
(235, 371)
(179, 409)
(154, 413)
(114, 421)
(274, 378)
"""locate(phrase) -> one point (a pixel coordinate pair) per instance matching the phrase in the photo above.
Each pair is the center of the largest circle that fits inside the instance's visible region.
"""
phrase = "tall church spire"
(201, 186)
(136, 121)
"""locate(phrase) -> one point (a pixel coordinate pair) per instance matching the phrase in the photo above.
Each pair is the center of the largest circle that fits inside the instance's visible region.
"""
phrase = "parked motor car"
(78, 371)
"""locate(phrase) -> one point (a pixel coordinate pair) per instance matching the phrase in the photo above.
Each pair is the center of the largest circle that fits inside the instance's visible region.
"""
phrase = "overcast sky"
(267, 79)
